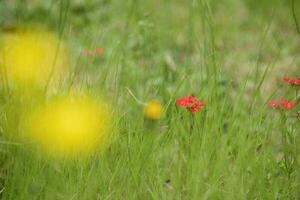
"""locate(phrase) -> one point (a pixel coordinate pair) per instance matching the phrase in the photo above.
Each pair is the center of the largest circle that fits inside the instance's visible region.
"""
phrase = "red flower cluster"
(282, 103)
(294, 82)
(285, 104)
(190, 103)
(93, 53)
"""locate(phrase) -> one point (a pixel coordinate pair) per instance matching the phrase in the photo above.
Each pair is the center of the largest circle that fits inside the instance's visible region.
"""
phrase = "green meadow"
(239, 58)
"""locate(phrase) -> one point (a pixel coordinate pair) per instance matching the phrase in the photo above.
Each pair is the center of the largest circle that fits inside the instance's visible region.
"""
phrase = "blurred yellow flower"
(71, 126)
(31, 57)
(153, 110)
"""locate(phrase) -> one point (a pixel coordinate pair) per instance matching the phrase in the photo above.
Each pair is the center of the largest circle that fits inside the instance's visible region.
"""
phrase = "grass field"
(135, 60)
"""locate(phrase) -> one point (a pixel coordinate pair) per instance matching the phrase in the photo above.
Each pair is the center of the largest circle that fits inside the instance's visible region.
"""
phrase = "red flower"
(93, 53)
(287, 105)
(190, 103)
(295, 82)
(273, 104)
(99, 51)
(282, 103)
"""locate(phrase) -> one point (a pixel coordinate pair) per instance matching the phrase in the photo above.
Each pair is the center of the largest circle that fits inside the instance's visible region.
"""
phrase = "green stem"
(288, 164)
(295, 17)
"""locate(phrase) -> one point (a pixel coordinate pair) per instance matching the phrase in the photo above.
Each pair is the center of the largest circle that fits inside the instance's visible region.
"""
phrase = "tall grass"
(162, 50)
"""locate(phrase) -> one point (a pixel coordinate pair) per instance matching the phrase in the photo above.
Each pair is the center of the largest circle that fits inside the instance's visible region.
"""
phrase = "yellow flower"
(31, 57)
(153, 110)
(71, 126)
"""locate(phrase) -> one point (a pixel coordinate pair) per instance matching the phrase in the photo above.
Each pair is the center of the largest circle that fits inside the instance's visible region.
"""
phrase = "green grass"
(231, 53)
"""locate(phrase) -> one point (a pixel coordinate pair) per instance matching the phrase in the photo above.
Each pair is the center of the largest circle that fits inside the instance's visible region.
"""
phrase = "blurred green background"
(165, 49)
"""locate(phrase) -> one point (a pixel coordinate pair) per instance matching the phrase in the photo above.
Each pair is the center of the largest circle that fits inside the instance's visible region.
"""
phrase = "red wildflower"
(295, 82)
(282, 103)
(287, 105)
(93, 53)
(273, 104)
(190, 103)
(99, 51)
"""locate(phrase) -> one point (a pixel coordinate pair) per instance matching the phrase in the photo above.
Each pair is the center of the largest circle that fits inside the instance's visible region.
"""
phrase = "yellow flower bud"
(153, 110)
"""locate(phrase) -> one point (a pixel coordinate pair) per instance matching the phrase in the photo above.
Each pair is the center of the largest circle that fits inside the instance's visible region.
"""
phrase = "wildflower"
(273, 104)
(153, 110)
(294, 82)
(70, 126)
(99, 51)
(31, 57)
(96, 52)
(282, 103)
(287, 105)
(190, 103)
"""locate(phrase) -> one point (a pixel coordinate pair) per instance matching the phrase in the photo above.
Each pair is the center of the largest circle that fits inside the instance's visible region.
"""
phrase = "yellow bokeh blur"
(71, 126)
(153, 110)
(31, 57)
